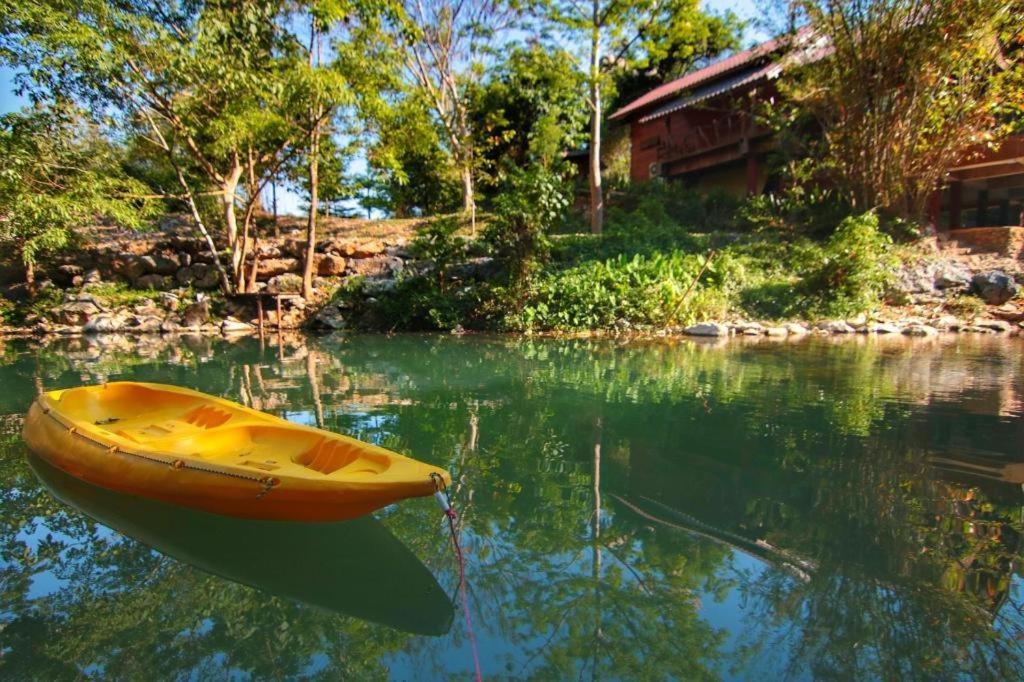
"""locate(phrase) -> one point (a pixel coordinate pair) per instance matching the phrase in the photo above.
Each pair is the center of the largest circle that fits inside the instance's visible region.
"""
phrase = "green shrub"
(642, 290)
(532, 201)
(806, 209)
(858, 266)
(437, 242)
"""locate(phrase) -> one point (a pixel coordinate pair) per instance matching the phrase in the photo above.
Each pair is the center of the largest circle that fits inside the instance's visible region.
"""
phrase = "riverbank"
(388, 276)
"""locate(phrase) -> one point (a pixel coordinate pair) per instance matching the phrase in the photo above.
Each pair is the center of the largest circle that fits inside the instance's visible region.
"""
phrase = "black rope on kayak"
(444, 500)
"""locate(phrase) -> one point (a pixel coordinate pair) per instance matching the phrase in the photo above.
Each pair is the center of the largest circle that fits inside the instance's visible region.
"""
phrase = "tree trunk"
(314, 181)
(228, 189)
(596, 192)
(30, 276)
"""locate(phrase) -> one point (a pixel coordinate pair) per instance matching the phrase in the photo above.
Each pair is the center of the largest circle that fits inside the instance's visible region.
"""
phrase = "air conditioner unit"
(654, 170)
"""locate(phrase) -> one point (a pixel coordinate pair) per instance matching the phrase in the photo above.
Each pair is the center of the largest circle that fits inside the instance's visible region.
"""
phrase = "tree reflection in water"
(851, 510)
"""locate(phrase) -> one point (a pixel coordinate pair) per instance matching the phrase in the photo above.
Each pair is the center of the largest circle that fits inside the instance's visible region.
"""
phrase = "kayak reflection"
(357, 568)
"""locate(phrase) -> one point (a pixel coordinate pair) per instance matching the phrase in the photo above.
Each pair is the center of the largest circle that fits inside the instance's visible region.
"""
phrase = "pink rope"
(450, 513)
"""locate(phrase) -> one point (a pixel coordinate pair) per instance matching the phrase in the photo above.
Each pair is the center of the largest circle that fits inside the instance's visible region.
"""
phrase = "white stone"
(921, 330)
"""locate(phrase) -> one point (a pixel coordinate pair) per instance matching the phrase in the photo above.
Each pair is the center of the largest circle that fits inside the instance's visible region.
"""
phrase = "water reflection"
(638, 510)
(356, 567)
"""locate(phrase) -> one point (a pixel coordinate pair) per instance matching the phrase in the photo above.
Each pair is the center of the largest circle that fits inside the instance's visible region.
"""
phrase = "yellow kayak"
(197, 450)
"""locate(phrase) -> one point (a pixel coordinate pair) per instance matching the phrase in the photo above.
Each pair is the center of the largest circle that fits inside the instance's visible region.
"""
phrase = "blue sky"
(288, 201)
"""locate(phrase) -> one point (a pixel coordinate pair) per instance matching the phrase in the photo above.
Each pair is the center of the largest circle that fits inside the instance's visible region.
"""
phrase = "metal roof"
(714, 71)
(716, 88)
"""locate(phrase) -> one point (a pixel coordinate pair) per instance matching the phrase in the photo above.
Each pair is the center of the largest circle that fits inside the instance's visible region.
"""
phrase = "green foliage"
(858, 267)
(639, 290)
(437, 242)
(906, 89)
(528, 110)
(532, 201)
(119, 294)
(965, 305)
(59, 176)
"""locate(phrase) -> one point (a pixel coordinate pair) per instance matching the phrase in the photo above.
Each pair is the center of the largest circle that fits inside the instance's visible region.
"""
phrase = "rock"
(776, 331)
(796, 329)
(272, 267)
(330, 317)
(198, 275)
(197, 314)
(881, 328)
(169, 301)
(75, 313)
(947, 323)
(231, 325)
(707, 329)
(994, 325)
(288, 283)
(368, 249)
(370, 267)
(147, 324)
(378, 285)
(920, 330)
(835, 327)
(951, 276)
(330, 265)
(458, 330)
(994, 287)
(128, 266)
(104, 323)
(977, 329)
(92, 277)
(159, 264)
(169, 327)
(156, 282)
(748, 328)
(914, 279)
(66, 274)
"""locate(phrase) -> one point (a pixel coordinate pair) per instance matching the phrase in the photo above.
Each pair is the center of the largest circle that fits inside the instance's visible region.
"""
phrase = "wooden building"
(701, 130)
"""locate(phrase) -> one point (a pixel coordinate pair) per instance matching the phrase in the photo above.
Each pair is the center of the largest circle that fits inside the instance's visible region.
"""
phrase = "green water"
(630, 511)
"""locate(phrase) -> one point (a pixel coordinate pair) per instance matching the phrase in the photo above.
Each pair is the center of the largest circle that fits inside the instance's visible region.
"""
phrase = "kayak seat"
(207, 417)
(328, 456)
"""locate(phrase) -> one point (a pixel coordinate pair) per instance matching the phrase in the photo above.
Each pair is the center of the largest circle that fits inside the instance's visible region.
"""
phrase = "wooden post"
(259, 314)
(278, 298)
(935, 209)
(981, 210)
(956, 205)
(752, 167)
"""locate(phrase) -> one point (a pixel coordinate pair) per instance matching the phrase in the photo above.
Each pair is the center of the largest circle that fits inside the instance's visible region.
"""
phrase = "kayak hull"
(234, 475)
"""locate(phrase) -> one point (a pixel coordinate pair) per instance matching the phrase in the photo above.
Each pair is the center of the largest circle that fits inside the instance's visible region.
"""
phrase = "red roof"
(719, 68)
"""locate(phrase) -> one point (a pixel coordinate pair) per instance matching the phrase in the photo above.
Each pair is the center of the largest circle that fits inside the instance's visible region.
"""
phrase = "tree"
(201, 81)
(909, 88)
(59, 175)
(444, 44)
(619, 35)
(527, 111)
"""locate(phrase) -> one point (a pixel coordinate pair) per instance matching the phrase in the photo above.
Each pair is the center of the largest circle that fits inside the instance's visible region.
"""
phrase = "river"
(629, 510)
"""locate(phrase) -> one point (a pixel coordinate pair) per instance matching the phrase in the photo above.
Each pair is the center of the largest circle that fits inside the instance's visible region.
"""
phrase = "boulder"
(835, 327)
(154, 281)
(881, 328)
(378, 285)
(75, 313)
(288, 283)
(330, 265)
(272, 267)
(920, 330)
(198, 275)
(197, 314)
(147, 324)
(330, 317)
(371, 267)
(65, 275)
(231, 325)
(707, 329)
(994, 287)
(368, 249)
(796, 329)
(104, 323)
(128, 266)
(951, 276)
(169, 326)
(160, 264)
(994, 325)
(776, 331)
(947, 323)
(92, 277)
